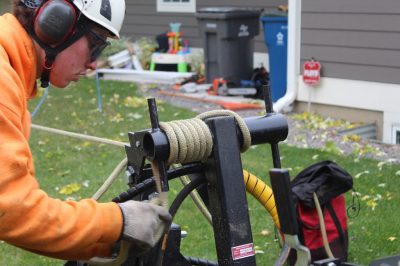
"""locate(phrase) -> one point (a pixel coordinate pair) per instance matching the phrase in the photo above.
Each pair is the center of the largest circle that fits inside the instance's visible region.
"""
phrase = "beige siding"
(353, 39)
(142, 19)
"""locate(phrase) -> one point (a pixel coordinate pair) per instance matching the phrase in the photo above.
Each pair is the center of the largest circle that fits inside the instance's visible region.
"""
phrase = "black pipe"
(271, 128)
(151, 103)
(155, 142)
(267, 98)
(156, 145)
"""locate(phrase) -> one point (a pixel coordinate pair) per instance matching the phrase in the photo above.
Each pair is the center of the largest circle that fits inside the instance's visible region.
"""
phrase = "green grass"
(62, 161)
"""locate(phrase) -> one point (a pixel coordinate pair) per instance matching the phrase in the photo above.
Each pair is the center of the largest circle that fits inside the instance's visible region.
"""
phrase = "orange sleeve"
(29, 218)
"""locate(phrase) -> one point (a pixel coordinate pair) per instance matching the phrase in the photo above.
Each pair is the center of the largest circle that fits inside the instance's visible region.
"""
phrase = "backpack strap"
(335, 219)
(325, 241)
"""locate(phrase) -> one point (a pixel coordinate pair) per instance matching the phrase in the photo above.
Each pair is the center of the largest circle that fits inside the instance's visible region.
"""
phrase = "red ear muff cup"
(55, 21)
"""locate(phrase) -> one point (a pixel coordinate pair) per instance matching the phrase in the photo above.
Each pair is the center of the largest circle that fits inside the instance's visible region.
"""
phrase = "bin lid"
(228, 12)
(274, 16)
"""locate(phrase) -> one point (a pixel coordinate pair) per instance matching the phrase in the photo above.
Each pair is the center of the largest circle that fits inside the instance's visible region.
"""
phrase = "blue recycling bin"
(275, 37)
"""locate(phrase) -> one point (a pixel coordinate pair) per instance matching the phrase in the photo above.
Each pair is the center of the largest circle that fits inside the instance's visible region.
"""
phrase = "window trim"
(395, 131)
(177, 7)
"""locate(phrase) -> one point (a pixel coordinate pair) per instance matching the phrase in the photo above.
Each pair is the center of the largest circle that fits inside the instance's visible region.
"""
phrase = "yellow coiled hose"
(263, 193)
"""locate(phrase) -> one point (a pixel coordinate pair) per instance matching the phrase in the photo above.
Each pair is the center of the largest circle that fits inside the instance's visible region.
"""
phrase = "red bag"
(328, 181)
(335, 219)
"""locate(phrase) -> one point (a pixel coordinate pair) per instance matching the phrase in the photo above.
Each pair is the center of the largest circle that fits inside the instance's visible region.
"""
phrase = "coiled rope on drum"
(191, 140)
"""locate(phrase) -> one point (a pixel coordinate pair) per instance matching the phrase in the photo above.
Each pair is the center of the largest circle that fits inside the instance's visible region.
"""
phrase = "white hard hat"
(107, 13)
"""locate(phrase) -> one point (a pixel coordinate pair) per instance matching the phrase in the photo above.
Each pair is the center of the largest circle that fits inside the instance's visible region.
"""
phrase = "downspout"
(293, 57)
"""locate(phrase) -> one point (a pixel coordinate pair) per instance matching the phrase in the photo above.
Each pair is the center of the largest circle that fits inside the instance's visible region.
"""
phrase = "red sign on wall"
(311, 72)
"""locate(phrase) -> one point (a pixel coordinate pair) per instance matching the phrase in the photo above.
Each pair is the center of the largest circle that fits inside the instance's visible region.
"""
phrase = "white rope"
(113, 176)
(239, 120)
(191, 140)
(80, 136)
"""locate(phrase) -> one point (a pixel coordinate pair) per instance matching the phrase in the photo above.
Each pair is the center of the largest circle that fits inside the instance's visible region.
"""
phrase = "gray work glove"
(144, 223)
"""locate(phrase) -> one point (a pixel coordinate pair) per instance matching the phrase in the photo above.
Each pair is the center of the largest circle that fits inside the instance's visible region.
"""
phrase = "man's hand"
(144, 224)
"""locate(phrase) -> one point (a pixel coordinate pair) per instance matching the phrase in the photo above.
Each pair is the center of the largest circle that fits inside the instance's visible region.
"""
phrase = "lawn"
(68, 168)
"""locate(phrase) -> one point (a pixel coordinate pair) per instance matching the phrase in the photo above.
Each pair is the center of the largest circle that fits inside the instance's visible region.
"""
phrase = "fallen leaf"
(135, 102)
(85, 183)
(136, 115)
(380, 165)
(70, 189)
(371, 203)
(365, 197)
(86, 144)
(361, 173)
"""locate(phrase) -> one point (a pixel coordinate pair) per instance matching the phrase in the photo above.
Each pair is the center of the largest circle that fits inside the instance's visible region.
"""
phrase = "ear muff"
(55, 21)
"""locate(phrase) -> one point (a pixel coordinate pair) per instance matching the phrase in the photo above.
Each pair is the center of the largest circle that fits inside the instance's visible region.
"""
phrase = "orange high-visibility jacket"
(29, 218)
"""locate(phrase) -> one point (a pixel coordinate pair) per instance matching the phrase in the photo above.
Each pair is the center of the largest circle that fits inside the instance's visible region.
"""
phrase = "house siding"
(353, 39)
(143, 20)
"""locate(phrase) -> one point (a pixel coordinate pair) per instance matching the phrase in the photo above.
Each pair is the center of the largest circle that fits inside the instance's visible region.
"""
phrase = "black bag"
(328, 181)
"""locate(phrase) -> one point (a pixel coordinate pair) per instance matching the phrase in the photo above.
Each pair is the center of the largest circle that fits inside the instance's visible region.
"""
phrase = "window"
(188, 6)
(396, 135)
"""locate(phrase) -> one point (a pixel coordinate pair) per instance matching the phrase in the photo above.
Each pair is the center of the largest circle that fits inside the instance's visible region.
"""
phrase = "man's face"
(71, 64)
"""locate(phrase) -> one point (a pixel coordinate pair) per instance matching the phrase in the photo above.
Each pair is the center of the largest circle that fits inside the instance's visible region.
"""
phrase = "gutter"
(293, 57)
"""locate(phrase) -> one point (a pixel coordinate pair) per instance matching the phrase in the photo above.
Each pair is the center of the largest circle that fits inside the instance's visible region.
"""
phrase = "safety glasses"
(97, 44)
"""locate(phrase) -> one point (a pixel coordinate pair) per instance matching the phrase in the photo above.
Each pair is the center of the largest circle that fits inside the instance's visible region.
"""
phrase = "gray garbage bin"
(228, 35)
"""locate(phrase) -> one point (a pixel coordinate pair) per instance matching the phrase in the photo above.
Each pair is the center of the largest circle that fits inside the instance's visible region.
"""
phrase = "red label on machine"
(311, 72)
(243, 251)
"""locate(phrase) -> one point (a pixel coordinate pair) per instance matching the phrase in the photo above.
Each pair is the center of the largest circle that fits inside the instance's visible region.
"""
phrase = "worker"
(57, 41)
